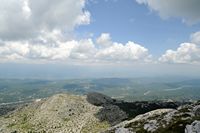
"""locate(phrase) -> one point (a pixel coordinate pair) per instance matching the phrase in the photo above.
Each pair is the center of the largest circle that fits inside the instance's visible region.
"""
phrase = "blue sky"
(127, 20)
(99, 38)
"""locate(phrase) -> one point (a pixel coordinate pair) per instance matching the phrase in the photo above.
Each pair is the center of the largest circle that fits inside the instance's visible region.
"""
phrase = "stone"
(122, 130)
(196, 110)
(193, 128)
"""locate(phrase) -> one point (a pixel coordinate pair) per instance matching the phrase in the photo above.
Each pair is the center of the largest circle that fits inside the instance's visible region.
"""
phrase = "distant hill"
(128, 89)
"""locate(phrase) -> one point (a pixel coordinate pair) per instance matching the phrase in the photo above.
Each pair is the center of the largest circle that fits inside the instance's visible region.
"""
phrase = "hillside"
(185, 119)
(59, 113)
(67, 113)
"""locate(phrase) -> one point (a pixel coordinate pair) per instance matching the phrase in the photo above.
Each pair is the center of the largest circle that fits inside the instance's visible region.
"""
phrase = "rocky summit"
(97, 113)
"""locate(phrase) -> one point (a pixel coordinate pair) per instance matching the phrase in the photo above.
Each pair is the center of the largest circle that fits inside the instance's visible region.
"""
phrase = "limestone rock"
(193, 128)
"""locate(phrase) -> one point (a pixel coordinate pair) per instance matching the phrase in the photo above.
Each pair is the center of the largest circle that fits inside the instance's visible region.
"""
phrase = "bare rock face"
(184, 119)
(197, 110)
(193, 128)
(146, 122)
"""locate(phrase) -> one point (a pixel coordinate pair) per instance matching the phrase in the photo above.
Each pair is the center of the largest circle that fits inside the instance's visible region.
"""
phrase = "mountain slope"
(66, 113)
(186, 119)
(59, 113)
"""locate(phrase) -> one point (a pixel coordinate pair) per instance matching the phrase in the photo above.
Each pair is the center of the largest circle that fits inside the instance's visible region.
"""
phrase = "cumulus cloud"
(187, 10)
(82, 50)
(85, 49)
(186, 53)
(104, 40)
(128, 52)
(26, 19)
(110, 50)
(33, 30)
(195, 37)
(62, 51)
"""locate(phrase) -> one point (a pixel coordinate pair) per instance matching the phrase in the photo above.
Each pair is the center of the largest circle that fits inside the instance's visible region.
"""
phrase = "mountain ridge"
(99, 113)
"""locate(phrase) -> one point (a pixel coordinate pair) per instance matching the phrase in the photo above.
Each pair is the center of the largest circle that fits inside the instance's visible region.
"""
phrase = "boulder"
(196, 110)
(193, 128)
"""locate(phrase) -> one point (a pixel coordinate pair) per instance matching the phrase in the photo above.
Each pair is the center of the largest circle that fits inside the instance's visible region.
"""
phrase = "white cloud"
(26, 9)
(114, 51)
(195, 37)
(26, 19)
(82, 50)
(104, 40)
(127, 52)
(42, 30)
(187, 10)
(85, 49)
(187, 53)
(61, 51)
(83, 18)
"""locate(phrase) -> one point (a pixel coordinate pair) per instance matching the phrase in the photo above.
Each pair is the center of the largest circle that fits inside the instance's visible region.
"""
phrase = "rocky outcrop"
(183, 119)
(115, 111)
(145, 122)
(197, 110)
(193, 128)
(140, 107)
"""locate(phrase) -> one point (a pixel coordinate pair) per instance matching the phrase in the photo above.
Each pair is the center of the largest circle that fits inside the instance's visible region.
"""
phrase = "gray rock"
(122, 130)
(193, 128)
(151, 126)
(197, 110)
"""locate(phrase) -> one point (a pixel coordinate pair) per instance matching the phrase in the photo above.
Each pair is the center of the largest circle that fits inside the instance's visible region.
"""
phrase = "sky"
(99, 38)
